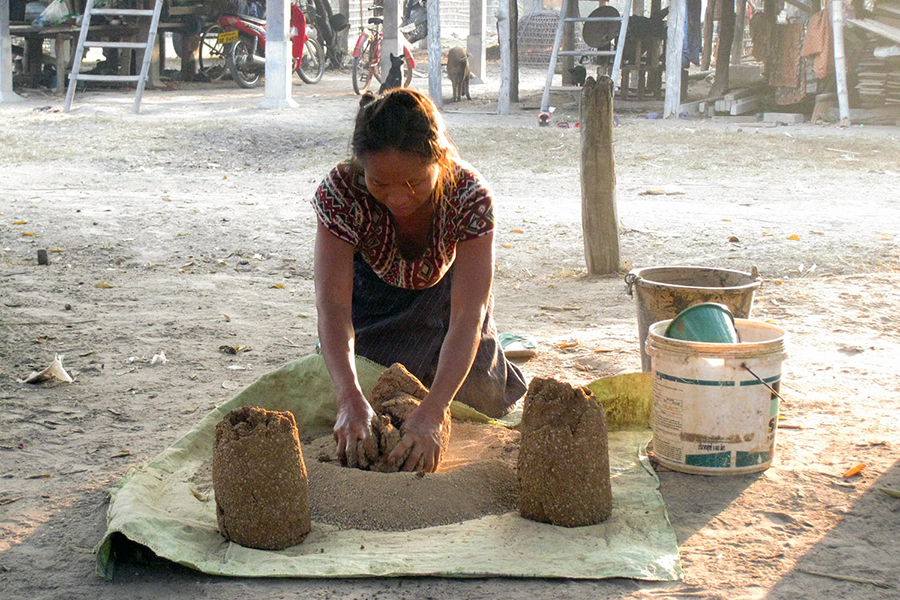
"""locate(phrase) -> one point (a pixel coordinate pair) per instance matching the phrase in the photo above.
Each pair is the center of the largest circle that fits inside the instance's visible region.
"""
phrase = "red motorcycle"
(243, 40)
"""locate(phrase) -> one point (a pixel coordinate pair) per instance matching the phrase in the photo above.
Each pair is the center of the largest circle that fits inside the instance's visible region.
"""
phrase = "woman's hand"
(421, 436)
(356, 443)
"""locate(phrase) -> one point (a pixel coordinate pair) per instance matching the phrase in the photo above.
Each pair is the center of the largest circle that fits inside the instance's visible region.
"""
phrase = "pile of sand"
(476, 478)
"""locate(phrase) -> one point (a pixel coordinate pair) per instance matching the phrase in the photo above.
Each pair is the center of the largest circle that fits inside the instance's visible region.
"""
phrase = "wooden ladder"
(544, 115)
(147, 46)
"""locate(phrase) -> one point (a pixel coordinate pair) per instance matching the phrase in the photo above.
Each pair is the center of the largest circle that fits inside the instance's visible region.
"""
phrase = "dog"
(394, 77)
(579, 74)
(458, 72)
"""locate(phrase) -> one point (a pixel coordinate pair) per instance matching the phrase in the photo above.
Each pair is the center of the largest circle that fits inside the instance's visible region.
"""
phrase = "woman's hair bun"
(367, 99)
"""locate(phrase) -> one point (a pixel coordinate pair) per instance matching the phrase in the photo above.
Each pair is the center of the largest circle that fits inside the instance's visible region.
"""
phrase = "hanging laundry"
(787, 69)
(819, 44)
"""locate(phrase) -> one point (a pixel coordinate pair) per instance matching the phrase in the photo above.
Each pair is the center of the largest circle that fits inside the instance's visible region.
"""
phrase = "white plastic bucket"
(714, 411)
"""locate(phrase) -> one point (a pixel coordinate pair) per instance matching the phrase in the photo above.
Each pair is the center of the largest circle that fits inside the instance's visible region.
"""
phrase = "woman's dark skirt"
(408, 326)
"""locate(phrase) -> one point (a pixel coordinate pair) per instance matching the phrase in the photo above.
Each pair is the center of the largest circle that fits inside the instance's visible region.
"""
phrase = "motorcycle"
(244, 39)
(328, 25)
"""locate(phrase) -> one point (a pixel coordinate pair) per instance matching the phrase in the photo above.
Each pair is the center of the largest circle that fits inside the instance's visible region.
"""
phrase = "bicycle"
(211, 55)
(366, 64)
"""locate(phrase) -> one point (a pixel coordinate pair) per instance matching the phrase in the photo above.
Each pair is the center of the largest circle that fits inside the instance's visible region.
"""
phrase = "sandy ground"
(187, 228)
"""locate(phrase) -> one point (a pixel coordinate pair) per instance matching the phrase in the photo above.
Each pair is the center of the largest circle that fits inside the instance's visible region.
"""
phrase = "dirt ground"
(187, 228)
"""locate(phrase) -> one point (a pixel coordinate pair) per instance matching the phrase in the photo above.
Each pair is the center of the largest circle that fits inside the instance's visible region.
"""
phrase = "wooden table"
(34, 43)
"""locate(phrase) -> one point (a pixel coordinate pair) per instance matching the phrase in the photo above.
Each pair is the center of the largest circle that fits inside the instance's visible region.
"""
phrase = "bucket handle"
(630, 280)
(771, 389)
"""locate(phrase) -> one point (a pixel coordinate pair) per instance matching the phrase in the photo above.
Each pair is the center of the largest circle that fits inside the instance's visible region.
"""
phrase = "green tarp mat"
(156, 505)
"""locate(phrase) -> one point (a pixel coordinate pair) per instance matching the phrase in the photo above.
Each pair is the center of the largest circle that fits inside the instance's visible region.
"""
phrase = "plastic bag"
(55, 13)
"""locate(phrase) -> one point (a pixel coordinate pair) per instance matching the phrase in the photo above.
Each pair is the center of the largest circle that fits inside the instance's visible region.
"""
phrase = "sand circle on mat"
(476, 478)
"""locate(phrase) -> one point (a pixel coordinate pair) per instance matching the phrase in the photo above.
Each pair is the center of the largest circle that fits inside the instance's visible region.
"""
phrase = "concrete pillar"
(391, 44)
(503, 35)
(279, 56)
(475, 41)
(343, 37)
(433, 9)
(6, 62)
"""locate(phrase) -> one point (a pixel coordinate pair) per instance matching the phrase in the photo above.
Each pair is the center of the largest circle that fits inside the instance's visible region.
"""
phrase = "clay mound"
(394, 380)
(396, 394)
(260, 480)
(563, 467)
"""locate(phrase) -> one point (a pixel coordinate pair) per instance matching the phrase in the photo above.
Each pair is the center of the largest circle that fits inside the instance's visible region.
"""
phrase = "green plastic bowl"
(708, 322)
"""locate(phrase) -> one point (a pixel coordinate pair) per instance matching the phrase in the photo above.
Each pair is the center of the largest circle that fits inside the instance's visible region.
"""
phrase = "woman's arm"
(333, 268)
(473, 272)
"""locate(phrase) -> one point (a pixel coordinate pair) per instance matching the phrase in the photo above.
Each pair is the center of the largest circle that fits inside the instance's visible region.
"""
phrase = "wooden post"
(503, 27)
(723, 52)
(153, 75)
(599, 222)
(737, 46)
(674, 46)
(433, 12)
(6, 60)
(708, 20)
(157, 61)
(840, 64)
(475, 45)
(568, 41)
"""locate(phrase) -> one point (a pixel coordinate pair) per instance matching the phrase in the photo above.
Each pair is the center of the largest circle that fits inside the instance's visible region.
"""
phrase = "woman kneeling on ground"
(404, 263)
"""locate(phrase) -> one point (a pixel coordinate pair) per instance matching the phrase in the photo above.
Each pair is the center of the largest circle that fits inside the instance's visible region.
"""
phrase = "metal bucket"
(715, 406)
(663, 292)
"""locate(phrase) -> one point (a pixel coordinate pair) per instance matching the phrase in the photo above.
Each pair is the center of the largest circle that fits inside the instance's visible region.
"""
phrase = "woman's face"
(402, 181)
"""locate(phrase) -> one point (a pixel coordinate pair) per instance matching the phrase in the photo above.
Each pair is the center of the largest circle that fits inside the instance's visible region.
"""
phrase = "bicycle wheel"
(243, 71)
(211, 54)
(364, 68)
(312, 66)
